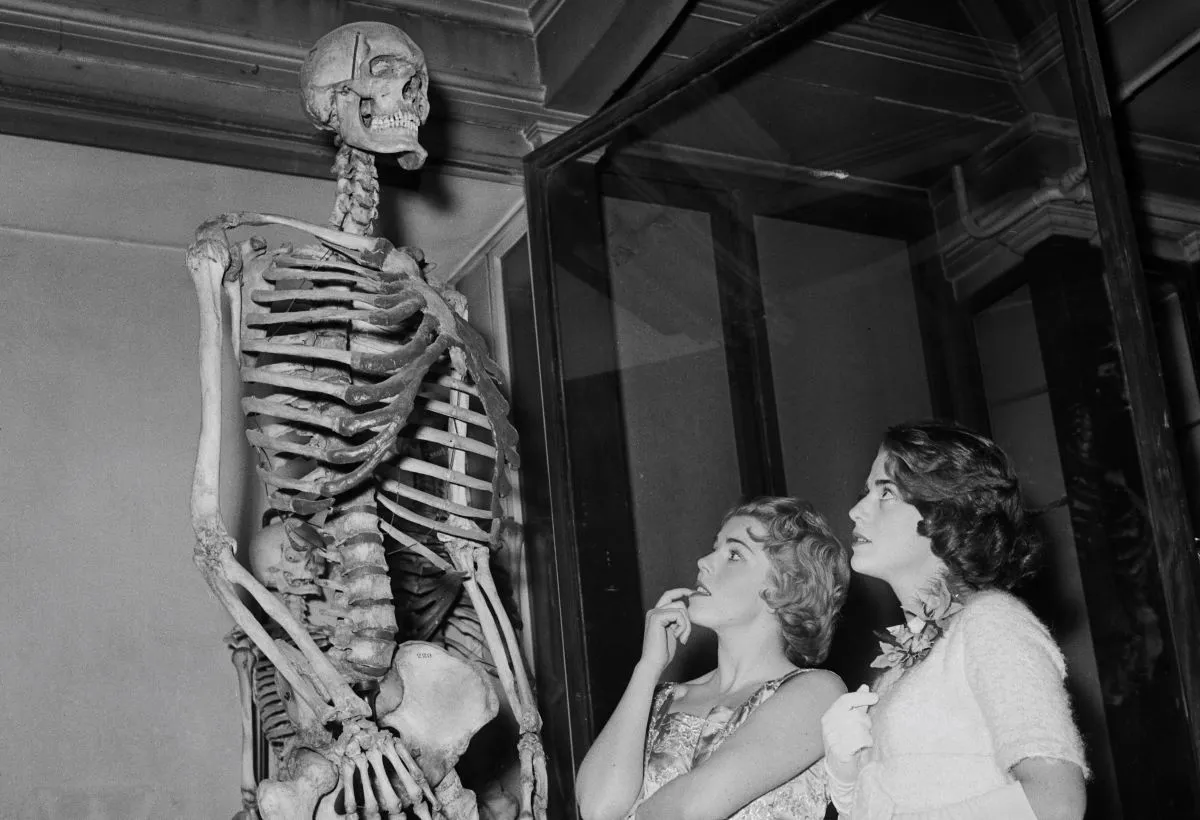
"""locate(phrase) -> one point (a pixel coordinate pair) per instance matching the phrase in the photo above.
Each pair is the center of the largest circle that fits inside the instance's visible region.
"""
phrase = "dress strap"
(756, 698)
(782, 679)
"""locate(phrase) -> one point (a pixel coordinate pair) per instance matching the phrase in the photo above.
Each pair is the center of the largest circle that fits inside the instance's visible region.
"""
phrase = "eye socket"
(886, 492)
(736, 555)
(386, 65)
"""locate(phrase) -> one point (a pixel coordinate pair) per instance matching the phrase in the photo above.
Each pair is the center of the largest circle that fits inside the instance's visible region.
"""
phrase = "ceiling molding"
(925, 45)
(540, 11)
(886, 36)
(135, 83)
(1040, 148)
(501, 16)
(1147, 146)
(971, 264)
(1042, 48)
(68, 30)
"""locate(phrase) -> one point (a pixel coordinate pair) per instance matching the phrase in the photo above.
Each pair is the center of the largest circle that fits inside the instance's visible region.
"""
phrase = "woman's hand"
(846, 730)
(667, 626)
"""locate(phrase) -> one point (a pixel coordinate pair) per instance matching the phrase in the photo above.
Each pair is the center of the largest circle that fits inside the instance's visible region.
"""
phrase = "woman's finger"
(673, 595)
(666, 618)
(855, 700)
(684, 618)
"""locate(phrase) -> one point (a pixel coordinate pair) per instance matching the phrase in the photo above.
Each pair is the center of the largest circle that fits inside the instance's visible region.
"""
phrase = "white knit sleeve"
(1016, 673)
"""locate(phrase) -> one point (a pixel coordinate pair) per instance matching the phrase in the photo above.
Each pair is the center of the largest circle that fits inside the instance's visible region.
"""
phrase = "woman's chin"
(697, 610)
(860, 560)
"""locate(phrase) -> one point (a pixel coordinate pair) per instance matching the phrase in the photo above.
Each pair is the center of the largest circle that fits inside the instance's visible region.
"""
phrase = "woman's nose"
(856, 513)
(700, 563)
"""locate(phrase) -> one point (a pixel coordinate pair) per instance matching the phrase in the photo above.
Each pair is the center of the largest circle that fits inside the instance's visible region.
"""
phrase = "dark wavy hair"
(810, 572)
(969, 498)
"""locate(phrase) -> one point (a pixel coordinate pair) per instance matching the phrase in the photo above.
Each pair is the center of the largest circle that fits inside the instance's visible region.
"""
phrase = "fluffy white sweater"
(947, 731)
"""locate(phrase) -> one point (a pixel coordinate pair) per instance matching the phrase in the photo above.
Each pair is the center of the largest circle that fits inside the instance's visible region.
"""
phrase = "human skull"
(368, 82)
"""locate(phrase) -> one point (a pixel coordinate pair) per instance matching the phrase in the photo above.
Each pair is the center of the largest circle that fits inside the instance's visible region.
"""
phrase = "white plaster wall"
(117, 695)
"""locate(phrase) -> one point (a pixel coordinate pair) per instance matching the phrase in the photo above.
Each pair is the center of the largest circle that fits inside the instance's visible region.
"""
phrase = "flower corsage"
(908, 644)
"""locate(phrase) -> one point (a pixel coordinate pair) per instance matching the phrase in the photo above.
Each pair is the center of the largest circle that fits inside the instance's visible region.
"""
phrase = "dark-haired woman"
(970, 718)
(744, 740)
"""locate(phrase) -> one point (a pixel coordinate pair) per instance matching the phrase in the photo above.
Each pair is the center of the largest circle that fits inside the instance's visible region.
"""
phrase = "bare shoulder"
(815, 688)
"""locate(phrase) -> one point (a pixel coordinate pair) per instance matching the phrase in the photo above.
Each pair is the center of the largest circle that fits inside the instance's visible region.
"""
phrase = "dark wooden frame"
(1174, 544)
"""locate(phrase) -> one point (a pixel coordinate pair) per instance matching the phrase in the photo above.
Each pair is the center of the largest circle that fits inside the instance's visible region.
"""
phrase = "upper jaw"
(857, 538)
(701, 589)
(396, 121)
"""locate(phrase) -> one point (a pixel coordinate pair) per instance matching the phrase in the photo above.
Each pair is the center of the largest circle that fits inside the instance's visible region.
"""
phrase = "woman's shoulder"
(998, 609)
(994, 621)
(805, 685)
(796, 699)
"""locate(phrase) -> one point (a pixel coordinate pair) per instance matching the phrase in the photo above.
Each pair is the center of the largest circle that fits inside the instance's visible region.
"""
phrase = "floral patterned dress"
(676, 742)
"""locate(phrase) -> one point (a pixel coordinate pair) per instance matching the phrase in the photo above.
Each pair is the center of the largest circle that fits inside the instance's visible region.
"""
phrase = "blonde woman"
(744, 740)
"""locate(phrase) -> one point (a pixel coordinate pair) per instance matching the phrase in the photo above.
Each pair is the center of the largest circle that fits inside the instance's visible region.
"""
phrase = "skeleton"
(376, 417)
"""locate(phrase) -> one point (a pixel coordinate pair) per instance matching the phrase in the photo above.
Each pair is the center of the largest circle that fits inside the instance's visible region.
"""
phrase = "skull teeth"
(404, 120)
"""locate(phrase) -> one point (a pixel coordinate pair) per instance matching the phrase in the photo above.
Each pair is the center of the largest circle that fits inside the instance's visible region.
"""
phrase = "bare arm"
(779, 741)
(610, 777)
(1054, 788)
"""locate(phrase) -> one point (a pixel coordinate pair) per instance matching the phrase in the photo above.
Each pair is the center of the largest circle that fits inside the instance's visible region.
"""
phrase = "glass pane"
(1022, 422)
(1177, 321)
(883, 218)
(829, 290)
(674, 384)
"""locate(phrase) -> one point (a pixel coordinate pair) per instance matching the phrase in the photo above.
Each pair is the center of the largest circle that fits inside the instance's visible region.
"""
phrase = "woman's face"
(732, 577)
(886, 544)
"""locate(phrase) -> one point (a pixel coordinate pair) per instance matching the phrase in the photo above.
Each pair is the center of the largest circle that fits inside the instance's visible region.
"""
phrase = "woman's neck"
(909, 594)
(910, 590)
(749, 656)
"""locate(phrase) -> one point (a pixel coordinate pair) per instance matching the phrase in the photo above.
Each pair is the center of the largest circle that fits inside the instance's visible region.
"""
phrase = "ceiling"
(905, 90)
(898, 92)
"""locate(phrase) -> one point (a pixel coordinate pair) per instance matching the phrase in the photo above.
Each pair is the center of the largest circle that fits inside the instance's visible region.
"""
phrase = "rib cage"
(277, 727)
(367, 394)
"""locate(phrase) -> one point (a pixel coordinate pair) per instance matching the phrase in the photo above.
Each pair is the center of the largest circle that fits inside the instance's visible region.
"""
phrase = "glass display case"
(796, 230)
